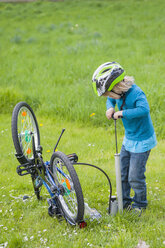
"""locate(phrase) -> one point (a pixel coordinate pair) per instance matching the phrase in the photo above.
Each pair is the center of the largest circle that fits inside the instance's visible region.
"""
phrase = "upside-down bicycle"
(58, 176)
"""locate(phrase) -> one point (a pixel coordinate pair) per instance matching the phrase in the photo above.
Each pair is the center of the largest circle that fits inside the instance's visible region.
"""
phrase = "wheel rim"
(68, 199)
(26, 128)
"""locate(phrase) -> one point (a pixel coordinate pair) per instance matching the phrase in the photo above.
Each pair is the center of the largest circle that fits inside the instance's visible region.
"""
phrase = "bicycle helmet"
(106, 77)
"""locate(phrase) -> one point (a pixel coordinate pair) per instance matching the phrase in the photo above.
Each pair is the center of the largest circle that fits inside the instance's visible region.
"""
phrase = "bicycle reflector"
(82, 224)
(28, 151)
(24, 113)
(67, 186)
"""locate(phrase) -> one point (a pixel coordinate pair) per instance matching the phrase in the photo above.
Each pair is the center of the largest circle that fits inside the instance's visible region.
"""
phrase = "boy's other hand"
(109, 113)
(118, 114)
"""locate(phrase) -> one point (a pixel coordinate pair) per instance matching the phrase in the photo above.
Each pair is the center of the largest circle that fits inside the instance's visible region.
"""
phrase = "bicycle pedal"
(73, 157)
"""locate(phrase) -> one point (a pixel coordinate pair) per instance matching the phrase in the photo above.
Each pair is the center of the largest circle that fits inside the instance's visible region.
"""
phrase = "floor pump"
(117, 205)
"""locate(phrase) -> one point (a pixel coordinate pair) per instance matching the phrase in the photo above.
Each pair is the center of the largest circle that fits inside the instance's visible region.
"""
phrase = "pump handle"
(116, 119)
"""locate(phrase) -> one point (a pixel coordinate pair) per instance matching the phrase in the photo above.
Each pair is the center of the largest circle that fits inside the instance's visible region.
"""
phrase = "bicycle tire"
(28, 117)
(70, 198)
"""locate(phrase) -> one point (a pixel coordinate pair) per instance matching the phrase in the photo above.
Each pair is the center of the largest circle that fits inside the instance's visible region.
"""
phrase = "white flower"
(25, 238)
(142, 244)
(4, 245)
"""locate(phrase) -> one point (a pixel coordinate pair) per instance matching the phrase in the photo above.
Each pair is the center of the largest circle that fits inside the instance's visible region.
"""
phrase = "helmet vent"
(105, 70)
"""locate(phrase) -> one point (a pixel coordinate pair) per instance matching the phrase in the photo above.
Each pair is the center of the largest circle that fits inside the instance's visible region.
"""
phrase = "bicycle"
(58, 176)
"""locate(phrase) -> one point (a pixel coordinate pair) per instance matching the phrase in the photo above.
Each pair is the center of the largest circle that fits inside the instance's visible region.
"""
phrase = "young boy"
(109, 80)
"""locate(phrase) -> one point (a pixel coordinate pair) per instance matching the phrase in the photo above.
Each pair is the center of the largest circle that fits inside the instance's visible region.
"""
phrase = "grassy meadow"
(48, 53)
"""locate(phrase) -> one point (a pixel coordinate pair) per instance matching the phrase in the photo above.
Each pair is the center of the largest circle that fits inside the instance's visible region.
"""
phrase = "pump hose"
(110, 186)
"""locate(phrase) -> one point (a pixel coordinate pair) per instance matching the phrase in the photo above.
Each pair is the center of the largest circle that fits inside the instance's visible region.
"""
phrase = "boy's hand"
(118, 114)
(109, 113)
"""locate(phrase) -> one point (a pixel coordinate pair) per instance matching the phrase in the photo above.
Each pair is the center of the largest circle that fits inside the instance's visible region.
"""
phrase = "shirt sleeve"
(110, 103)
(141, 108)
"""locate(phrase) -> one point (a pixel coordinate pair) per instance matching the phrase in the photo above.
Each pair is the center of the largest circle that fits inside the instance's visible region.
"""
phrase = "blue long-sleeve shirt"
(136, 114)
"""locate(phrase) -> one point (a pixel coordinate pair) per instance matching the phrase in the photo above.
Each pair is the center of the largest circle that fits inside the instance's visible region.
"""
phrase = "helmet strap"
(124, 98)
(121, 95)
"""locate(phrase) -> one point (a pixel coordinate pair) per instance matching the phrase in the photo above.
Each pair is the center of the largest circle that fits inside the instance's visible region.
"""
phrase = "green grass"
(27, 223)
(48, 53)
(50, 50)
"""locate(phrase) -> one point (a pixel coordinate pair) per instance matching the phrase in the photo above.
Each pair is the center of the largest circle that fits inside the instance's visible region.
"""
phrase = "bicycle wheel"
(71, 197)
(24, 127)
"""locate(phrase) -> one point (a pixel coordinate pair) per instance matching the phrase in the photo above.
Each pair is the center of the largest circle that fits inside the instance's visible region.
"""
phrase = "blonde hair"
(124, 85)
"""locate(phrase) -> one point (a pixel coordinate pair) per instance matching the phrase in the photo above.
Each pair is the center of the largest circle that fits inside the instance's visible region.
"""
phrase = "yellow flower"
(41, 125)
(48, 151)
(92, 114)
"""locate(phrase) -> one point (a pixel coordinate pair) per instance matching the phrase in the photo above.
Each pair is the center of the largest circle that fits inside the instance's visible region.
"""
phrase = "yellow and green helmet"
(106, 77)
